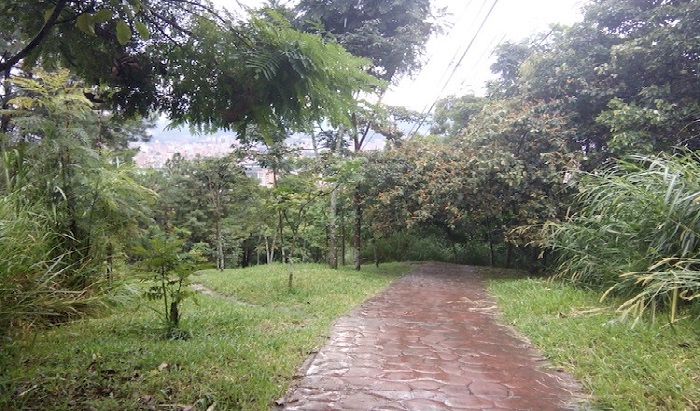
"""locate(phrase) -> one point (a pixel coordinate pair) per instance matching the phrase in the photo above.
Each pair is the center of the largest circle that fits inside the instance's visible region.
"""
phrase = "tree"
(60, 164)
(500, 179)
(68, 201)
(144, 52)
(392, 36)
(220, 183)
(208, 198)
(526, 148)
(626, 76)
(294, 199)
(453, 114)
(101, 41)
(168, 269)
(509, 59)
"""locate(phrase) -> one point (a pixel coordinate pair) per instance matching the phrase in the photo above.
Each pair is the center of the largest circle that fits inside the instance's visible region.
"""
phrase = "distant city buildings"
(264, 175)
(167, 143)
(154, 154)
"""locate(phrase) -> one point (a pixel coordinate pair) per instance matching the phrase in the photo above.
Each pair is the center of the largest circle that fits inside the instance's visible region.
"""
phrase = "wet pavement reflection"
(430, 341)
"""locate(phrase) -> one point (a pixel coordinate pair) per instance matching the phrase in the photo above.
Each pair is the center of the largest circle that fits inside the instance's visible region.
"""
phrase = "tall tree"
(392, 35)
(626, 75)
(220, 183)
(207, 198)
(453, 114)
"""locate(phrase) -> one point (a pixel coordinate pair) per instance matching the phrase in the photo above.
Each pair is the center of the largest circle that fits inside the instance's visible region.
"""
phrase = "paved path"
(430, 341)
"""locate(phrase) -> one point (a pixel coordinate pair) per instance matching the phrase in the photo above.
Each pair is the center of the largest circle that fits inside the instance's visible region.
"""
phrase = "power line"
(424, 114)
(490, 50)
(445, 77)
(456, 53)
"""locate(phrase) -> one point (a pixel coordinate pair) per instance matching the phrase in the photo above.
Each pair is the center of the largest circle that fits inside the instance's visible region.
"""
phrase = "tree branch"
(37, 39)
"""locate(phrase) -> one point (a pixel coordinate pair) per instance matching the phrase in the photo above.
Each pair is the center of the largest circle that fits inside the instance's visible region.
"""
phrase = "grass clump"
(636, 233)
(648, 367)
(246, 342)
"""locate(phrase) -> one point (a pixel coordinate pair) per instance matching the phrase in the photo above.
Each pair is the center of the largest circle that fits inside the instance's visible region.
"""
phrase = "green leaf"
(136, 5)
(123, 32)
(86, 24)
(102, 16)
(142, 30)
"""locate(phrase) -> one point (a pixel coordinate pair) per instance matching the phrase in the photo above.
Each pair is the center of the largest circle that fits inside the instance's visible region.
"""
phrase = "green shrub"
(167, 272)
(427, 246)
(637, 233)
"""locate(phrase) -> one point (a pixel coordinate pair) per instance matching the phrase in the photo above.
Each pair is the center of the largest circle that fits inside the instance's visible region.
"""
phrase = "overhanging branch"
(50, 22)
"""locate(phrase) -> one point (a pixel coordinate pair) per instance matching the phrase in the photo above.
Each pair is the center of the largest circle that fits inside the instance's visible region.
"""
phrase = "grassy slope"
(648, 367)
(240, 356)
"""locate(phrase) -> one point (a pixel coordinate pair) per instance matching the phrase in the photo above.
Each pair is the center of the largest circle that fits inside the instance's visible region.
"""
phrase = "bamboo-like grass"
(33, 276)
(636, 234)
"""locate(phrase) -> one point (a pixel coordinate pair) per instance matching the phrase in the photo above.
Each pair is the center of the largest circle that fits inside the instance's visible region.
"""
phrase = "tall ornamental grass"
(32, 289)
(636, 234)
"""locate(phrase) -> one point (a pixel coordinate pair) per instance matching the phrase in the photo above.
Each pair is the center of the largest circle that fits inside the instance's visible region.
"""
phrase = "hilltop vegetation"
(544, 172)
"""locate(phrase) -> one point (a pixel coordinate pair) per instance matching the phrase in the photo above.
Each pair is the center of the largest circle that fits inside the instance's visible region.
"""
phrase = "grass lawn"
(246, 343)
(648, 367)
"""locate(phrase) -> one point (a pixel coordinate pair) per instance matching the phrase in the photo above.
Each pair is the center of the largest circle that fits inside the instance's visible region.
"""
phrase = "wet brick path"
(429, 342)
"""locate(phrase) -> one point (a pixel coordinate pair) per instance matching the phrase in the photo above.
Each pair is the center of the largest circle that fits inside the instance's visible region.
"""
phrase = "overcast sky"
(509, 20)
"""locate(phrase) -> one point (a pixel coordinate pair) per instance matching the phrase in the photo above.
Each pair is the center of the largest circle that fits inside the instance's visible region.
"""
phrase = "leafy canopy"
(199, 66)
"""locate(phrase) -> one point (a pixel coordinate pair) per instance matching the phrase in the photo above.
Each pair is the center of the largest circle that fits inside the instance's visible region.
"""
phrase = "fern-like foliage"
(274, 77)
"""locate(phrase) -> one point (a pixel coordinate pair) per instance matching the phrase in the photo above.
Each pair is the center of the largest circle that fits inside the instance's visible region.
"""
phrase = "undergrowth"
(245, 344)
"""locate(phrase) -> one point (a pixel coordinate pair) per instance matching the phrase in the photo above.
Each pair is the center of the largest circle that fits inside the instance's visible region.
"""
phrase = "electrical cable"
(445, 77)
(424, 114)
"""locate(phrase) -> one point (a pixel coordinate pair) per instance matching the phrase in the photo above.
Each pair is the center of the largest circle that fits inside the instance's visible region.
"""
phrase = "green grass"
(239, 356)
(648, 367)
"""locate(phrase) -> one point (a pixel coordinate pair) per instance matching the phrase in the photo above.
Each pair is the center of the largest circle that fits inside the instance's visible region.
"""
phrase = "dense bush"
(423, 245)
(637, 233)
(33, 287)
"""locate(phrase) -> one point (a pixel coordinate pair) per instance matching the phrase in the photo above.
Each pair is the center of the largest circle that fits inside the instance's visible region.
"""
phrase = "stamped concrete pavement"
(430, 341)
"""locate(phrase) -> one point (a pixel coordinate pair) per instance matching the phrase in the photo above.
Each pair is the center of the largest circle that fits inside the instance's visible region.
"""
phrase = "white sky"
(510, 20)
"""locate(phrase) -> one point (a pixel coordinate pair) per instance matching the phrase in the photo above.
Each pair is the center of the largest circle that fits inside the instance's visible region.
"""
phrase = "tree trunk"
(270, 249)
(314, 145)
(357, 240)
(376, 252)
(333, 211)
(509, 255)
(281, 233)
(174, 315)
(333, 230)
(219, 244)
(358, 140)
(343, 235)
(5, 118)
